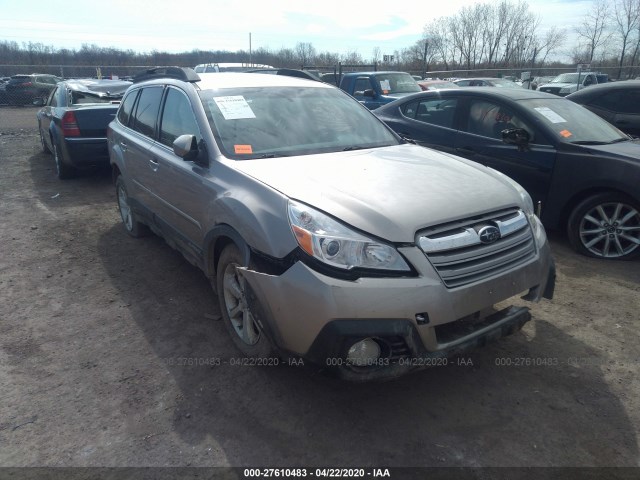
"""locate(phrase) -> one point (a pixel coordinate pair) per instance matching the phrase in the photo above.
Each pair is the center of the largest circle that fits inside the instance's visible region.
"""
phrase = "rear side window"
(144, 119)
(124, 114)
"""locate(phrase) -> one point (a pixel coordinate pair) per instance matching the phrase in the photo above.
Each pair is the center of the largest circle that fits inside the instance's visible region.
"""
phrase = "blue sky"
(170, 25)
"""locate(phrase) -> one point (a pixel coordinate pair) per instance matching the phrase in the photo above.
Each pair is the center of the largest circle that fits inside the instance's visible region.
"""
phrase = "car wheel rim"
(125, 209)
(237, 307)
(611, 230)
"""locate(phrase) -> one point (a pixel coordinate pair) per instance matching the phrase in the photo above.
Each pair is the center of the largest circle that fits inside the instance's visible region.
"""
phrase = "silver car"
(326, 236)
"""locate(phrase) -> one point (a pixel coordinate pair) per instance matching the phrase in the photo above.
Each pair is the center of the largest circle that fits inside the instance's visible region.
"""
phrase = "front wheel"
(606, 225)
(236, 312)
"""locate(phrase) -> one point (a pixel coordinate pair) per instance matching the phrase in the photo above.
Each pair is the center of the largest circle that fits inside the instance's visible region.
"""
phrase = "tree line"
(498, 35)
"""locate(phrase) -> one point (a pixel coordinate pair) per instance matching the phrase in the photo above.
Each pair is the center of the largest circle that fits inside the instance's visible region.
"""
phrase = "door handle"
(123, 146)
(153, 163)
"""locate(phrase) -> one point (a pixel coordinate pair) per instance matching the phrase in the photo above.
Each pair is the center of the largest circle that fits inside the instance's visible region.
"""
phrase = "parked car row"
(25, 89)
(332, 234)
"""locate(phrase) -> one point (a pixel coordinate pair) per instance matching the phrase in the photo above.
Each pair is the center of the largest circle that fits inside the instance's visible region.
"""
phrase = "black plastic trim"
(179, 73)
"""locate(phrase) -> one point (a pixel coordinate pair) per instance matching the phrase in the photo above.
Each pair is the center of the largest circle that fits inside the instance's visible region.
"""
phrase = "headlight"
(565, 90)
(335, 244)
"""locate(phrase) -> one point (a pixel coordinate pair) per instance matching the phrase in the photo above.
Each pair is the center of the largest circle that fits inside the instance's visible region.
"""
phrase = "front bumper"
(317, 317)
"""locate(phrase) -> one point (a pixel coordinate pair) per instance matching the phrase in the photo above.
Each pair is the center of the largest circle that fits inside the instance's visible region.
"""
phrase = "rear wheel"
(236, 312)
(606, 225)
(43, 144)
(132, 225)
(62, 170)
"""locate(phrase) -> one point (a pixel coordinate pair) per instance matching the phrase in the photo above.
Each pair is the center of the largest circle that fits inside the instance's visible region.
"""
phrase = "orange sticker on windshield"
(385, 92)
(242, 149)
(566, 133)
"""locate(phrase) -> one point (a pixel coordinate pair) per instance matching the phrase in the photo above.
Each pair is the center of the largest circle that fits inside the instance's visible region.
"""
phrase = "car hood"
(389, 192)
(629, 151)
(557, 85)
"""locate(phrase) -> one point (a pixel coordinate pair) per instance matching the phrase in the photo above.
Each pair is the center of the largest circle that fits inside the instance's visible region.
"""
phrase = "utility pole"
(424, 58)
(250, 55)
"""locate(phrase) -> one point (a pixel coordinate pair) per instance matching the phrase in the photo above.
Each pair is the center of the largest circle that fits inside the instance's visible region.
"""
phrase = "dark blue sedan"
(582, 173)
(73, 122)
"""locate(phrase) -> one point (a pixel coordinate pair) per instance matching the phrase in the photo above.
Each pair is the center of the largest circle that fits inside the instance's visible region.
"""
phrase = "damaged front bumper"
(317, 317)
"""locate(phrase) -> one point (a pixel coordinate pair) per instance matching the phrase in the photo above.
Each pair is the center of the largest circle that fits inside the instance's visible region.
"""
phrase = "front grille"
(554, 90)
(460, 257)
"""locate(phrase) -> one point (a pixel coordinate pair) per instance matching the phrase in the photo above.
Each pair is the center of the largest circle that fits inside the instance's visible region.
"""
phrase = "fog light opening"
(364, 353)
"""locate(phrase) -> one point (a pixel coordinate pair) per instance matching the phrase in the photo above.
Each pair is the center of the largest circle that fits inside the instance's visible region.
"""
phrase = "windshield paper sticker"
(566, 133)
(385, 86)
(242, 149)
(234, 107)
(550, 115)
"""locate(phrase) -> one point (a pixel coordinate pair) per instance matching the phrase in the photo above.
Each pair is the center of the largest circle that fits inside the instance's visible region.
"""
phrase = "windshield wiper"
(271, 155)
(589, 142)
(353, 147)
(618, 140)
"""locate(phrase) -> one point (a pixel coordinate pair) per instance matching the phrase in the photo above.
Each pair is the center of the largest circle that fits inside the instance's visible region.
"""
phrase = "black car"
(25, 89)
(616, 102)
(73, 123)
(582, 173)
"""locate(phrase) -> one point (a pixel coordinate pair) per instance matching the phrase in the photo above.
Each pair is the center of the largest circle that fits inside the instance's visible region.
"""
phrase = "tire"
(132, 225)
(43, 144)
(63, 171)
(606, 225)
(246, 334)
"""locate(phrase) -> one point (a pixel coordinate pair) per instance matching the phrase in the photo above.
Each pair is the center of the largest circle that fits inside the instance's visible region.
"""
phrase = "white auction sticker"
(550, 115)
(234, 107)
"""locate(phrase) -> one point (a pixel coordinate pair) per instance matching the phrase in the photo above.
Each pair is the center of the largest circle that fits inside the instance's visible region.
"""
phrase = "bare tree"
(626, 16)
(376, 55)
(593, 29)
(306, 53)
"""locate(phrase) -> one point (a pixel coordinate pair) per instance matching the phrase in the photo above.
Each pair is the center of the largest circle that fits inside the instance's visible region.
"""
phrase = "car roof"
(95, 85)
(209, 81)
(514, 94)
(595, 89)
(345, 74)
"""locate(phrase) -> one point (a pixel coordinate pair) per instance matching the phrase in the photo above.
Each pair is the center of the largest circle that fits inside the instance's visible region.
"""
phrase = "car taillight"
(70, 125)
(27, 84)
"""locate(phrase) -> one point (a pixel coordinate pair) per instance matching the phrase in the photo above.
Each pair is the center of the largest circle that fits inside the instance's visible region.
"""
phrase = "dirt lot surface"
(106, 343)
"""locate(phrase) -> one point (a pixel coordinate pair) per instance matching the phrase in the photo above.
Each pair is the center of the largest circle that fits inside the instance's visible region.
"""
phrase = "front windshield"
(392, 83)
(568, 78)
(263, 122)
(573, 123)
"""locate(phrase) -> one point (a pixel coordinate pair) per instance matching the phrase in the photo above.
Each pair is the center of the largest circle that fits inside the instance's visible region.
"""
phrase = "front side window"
(264, 122)
(620, 101)
(177, 118)
(144, 120)
(489, 119)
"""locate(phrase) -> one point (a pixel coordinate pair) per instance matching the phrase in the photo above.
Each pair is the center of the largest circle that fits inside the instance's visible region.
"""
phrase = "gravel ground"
(106, 348)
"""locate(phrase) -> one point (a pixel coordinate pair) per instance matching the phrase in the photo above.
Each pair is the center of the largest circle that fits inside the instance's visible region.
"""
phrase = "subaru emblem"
(489, 234)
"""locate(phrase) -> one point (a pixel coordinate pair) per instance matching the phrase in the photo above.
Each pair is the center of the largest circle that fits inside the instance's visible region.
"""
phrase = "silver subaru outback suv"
(325, 235)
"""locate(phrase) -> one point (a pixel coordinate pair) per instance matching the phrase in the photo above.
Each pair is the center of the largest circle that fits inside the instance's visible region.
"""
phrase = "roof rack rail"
(185, 74)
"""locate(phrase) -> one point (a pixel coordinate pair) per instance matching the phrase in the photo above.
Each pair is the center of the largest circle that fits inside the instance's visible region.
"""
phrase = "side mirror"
(516, 136)
(186, 147)
(369, 93)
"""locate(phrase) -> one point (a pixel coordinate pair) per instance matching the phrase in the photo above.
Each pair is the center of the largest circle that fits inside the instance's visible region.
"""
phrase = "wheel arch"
(216, 240)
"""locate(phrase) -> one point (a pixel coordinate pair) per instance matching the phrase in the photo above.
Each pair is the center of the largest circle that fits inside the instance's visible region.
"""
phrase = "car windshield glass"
(264, 122)
(568, 78)
(391, 83)
(573, 123)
